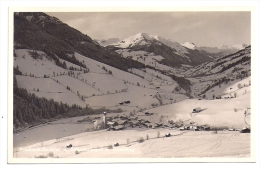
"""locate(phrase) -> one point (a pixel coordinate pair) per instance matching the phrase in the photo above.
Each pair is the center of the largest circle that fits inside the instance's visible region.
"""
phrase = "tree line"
(29, 110)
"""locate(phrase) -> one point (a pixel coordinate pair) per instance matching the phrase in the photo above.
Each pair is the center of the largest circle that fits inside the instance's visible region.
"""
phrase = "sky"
(201, 28)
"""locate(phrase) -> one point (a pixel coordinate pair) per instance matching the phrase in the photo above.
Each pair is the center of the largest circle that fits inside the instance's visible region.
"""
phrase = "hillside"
(84, 86)
(224, 71)
(39, 31)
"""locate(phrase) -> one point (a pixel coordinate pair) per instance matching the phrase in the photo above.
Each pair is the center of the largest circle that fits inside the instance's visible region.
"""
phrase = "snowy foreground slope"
(100, 144)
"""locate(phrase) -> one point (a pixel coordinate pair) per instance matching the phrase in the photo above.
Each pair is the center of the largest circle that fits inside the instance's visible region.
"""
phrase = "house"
(186, 127)
(194, 128)
(205, 127)
(147, 113)
(182, 128)
(133, 122)
(119, 127)
(197, 110)
(127, 102)
(112, 123)
(178, 124)
(165, 125)
(245, 130)
(159, 124)
(148, 125)
(121, 122)
(123, 117)
(146, 121)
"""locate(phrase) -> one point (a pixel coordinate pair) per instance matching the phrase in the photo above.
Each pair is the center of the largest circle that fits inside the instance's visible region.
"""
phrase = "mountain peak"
(137, 39)
(144, 35)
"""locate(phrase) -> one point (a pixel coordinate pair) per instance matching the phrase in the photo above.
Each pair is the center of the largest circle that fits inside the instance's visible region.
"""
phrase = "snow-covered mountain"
(173, 53)
(138, 39)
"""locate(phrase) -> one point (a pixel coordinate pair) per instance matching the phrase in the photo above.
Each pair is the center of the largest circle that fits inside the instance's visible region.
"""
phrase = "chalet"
(186, 127)
(121, 122)
(127, 102)
(166, 125)
(197, 110)
(168, 135)
(148, 125)
(133, 122)
(123, 117)
(119, 127)
(178, 124)
(194, 128)
(111, 124)
(245, 130)
(159, 124)
(182, 128)
(205, 127)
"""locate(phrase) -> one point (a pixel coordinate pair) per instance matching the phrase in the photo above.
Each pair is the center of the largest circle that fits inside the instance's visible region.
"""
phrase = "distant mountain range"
(174, 53)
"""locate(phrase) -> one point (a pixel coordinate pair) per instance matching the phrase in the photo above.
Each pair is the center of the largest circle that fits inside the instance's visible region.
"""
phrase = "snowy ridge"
(175, 45)
(238, 46)
(189, 45)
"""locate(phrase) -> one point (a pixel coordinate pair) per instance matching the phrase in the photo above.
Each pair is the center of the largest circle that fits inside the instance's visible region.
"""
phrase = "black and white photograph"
(150, 84)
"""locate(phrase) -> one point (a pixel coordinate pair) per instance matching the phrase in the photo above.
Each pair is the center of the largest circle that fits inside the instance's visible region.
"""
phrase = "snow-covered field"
(100, 144)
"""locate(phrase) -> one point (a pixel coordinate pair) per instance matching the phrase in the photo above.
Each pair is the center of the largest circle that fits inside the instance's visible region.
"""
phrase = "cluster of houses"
(121, 122)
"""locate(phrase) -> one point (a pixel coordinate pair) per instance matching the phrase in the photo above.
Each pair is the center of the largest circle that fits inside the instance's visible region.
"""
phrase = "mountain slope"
(216, 76)
(38, 31)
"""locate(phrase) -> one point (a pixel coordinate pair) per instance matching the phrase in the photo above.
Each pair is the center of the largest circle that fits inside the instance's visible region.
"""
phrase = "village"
(122, 122)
